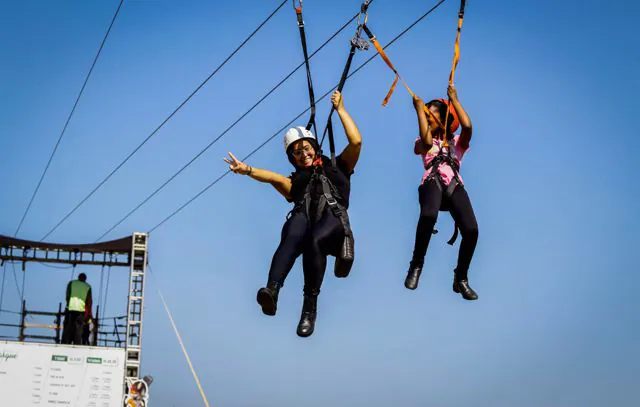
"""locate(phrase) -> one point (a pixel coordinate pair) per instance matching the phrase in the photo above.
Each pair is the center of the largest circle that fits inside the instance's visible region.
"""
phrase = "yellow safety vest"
(78, 297)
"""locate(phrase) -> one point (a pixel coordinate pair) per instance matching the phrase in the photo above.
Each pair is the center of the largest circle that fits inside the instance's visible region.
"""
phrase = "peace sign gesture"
(237, 166)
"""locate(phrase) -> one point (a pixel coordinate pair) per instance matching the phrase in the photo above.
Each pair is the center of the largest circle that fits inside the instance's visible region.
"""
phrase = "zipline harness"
(330, 196)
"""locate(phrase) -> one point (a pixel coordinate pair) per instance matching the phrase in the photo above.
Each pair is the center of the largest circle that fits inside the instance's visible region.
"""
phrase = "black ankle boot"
(462, 287)
(308, 317)
(413, 275)
(268, 297)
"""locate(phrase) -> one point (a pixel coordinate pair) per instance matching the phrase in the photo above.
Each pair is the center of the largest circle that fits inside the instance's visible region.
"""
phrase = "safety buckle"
(331, 200)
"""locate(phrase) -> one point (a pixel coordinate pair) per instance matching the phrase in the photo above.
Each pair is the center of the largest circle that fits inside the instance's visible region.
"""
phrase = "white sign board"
(60, 375)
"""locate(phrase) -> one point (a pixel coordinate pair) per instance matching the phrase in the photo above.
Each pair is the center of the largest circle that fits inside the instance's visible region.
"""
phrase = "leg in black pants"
(73, 328)
(431, 201)
(325, 239)
(430, 198)
(462, 213)
(292, 242)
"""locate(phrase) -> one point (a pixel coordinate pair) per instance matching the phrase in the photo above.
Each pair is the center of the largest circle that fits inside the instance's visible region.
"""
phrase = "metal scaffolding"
(131, 252)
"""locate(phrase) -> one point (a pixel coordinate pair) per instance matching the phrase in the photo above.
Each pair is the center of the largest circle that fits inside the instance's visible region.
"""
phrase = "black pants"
(314, 240)
(73, 329)
(432, 200)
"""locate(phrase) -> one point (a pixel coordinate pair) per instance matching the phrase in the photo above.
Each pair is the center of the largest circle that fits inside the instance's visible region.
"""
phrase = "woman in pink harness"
(442, 188)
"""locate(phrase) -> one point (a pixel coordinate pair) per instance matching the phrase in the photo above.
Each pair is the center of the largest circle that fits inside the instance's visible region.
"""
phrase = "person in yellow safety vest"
(78, 310)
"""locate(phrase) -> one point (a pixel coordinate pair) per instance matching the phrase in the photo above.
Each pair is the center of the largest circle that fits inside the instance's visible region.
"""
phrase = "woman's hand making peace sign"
(237, 166)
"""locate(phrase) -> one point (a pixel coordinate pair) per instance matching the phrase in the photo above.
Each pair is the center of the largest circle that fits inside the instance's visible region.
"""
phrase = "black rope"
(293, 120)
(101, 285)
(64, 129)
(106, 291)
(4, 275)
(153, 133)
(356, 43)
(329, 127)
(10, 312)
(24, 277)
(312, 99)
(15, 278)
(54, 267)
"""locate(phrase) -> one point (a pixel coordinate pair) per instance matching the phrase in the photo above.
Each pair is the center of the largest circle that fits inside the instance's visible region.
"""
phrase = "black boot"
(413, 275)
(308, 317)
(268, 297)
(461, 286)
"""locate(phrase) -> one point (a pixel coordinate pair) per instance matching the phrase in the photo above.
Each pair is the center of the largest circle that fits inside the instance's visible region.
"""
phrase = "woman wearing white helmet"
(317, 226)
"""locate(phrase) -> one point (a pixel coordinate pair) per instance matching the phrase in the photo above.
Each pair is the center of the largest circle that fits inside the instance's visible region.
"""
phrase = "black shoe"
(413, 275)
(462, 287)
(268, 298)
(308, 317)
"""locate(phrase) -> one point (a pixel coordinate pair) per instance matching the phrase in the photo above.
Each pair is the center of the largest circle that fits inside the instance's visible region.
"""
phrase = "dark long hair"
(442, 112)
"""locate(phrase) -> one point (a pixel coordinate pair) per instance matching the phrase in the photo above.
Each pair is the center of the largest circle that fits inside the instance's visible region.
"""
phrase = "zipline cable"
(153, 133)
(64, 129)
(294, 119)
(214, 141)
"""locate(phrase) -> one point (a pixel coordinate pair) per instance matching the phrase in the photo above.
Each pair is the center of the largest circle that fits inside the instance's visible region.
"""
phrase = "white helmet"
(295, 134)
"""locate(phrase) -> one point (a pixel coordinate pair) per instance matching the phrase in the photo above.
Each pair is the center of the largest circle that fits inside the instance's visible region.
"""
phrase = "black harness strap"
(331, 197)
(357, 42)
(329, 127)
(303, 39)
(435, 176)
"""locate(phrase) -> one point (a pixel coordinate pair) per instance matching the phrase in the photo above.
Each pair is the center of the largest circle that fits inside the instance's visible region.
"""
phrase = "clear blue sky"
(550, 87)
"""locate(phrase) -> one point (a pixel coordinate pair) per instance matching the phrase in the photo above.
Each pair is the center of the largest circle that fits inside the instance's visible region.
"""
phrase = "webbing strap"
(338, 210)
(329, 128)
(303, 39)
(453, 184)
(356, 43)
(386, 59)
(456, 57)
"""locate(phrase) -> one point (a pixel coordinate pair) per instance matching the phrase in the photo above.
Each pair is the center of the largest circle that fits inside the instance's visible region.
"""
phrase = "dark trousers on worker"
(432, 201)
(73, 329)
(314, 240)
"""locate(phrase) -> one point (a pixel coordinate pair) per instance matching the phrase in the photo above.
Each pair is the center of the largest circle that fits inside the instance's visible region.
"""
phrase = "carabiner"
(363, 10)
(298, 9)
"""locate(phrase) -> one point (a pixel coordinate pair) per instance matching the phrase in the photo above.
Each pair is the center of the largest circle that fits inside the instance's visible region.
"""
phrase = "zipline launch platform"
(37, 373)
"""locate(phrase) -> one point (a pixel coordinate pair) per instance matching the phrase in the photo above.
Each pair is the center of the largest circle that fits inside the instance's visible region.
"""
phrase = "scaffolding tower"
(131, 252)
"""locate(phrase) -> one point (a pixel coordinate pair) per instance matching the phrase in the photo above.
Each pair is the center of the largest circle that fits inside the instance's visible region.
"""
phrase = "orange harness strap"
(456, 58)
(386, 59)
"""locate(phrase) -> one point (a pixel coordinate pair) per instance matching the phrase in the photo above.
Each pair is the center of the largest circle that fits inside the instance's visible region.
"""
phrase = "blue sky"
(550, 89)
